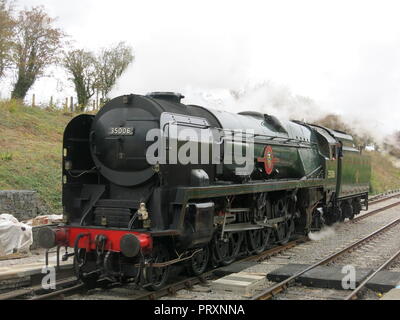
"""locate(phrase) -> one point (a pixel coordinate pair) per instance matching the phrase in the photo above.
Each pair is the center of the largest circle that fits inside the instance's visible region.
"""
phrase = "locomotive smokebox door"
(119, 145)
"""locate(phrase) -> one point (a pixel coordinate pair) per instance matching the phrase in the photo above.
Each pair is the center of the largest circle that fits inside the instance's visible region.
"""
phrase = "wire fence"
(68, 104)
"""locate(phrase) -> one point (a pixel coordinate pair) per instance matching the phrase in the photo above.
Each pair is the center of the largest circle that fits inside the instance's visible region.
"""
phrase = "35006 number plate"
(122, 131)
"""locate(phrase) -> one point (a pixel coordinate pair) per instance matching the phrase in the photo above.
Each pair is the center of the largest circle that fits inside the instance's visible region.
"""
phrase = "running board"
(272, 223)
(238, 227)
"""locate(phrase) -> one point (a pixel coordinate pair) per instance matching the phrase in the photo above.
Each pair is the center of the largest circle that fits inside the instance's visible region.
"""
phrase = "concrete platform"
(384, 281)
(242, 283)
(21, 275)
(235, 267)
(393, 294)
(321, 277)
(331, 277)
(14, 256)
(26, 270)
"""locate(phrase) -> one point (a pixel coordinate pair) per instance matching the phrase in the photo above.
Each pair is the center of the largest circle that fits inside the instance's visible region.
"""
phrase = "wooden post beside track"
(72, 104)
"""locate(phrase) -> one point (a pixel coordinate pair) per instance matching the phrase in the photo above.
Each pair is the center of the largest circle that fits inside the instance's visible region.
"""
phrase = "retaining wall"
(22, 204)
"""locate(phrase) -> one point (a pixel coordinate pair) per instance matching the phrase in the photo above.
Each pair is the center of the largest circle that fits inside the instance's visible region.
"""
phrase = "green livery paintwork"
(356, 173)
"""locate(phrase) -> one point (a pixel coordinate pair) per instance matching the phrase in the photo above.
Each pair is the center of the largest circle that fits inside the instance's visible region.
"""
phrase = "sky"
(344, 55)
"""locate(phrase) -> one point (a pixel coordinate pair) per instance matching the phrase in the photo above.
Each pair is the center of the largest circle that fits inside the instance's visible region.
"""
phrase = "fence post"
(72, 104)
(33, 100)
(66, 104)
(51, 101)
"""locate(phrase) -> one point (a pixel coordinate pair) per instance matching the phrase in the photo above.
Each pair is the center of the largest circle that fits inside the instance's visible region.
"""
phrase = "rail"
(272, 291)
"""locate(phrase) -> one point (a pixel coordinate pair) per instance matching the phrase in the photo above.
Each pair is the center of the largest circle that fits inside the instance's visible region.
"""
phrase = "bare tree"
(37, 43)
(80, 64)
(111, 64)
(6, 33)
(91, 73)
(335, 122)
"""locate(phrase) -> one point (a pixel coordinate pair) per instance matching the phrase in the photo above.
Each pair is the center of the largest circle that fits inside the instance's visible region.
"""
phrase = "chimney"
(168, 96)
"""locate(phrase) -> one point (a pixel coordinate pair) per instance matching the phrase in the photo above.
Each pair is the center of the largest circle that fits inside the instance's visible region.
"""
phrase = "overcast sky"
(345, 55)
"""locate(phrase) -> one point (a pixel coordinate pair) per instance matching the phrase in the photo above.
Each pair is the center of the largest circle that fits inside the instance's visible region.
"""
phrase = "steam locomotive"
(131, 216)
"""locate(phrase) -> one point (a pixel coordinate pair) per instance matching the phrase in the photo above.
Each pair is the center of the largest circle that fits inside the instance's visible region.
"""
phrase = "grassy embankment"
(385, 176)
(31, 150)
(30, 153)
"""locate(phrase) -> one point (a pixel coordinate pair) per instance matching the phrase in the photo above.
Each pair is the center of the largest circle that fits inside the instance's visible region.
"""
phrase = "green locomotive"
(131, 215)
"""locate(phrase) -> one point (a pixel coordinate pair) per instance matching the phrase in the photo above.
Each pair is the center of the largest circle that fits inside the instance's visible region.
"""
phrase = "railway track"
(188, 284)
(354, 294)
(282, 286)
(59, 293)
(66, 286)
(384, 196)
(376, 211)
(71, 286)
(172, 289)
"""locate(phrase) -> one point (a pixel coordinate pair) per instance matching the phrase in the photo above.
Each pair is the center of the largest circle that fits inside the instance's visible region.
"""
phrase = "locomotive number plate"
(122, 131)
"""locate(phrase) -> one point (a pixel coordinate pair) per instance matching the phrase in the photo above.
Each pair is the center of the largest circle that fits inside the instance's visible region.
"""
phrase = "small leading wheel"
(198, 263)
(258, 240)
(158, 276)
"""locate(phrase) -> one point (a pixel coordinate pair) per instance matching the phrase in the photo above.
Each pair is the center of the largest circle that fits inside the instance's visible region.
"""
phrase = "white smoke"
(271, 98)
(216, 74)
(207, 49)
(270, 65)
(171, 63)
(325, 233)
